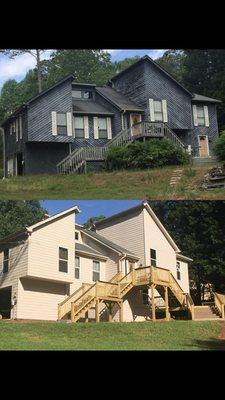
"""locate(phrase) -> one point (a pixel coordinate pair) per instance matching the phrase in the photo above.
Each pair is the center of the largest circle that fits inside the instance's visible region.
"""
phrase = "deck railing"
(219, 300)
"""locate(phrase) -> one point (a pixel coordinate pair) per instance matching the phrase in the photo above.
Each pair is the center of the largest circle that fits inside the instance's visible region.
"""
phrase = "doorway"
(19, 164)
(134, 120)
(5, 302)
(203, 146)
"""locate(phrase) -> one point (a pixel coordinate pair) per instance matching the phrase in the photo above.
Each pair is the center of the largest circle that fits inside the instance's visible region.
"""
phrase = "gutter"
(3, 136)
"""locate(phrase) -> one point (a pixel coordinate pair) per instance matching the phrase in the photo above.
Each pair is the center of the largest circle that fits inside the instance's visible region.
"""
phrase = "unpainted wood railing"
(78, 157)
(219, 300)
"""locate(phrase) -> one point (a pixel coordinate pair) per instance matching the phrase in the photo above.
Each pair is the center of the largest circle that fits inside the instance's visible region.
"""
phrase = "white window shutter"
(69, 123)
(109, 128)
(21, 127)
(206, 113)
(151, 110)
(164, 109)
(11, 128)
(54, 123)
(195, 116)
(17, 129)
(96, 127)
(86, 127)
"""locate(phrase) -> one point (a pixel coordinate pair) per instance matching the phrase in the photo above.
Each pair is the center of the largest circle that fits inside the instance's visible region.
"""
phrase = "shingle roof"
(89, 107)
(107, 242)
(87, 249)
(117, 98)
(199, 97)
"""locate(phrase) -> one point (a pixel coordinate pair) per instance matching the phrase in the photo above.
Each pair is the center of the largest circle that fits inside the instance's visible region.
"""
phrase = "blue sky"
(18, 67)
(89, 208)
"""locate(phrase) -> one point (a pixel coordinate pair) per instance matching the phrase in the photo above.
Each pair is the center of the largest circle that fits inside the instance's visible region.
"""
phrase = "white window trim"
(54, 123)
(21, 126)
(86, 127)
(17, 129)
(206, 114)
(69, 124)
(164, 110)
(206, 136)
(77, 268)
(99, 272)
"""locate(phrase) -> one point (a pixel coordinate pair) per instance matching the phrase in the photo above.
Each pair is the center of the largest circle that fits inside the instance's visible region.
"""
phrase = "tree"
(88, 224)
(172, 61)
(219, 147)
(119, 66)
(35, 53)
(198, 229)
(16, 215)
(10, 99)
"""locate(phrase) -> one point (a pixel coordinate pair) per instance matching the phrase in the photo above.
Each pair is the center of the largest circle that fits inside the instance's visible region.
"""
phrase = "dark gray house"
(70, 124)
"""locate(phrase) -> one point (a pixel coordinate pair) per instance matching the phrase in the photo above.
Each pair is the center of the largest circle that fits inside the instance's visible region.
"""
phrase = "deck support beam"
(167, 303)
(72, 312)
(121, 312)
(86, 316)
(110, 312)
(153, 301)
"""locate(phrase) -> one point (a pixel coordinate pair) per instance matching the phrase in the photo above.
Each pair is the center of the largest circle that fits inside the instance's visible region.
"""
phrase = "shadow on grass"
(210, 344)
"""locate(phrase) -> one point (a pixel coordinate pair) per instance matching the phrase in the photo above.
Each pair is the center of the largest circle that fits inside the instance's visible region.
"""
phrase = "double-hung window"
(102, 128)
(6, 261)
(178, 271)
(79, 127)
(153, 257)
(158, 111)
(61, 124)
(63, 259)
(77, 267)
(96, 271)
(200, 116)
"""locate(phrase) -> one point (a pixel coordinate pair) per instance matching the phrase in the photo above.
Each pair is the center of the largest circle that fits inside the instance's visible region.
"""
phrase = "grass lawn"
(152, 184)
(174, 335)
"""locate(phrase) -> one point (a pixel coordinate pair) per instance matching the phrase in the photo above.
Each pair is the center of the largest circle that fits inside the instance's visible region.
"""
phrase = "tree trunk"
(39, 71)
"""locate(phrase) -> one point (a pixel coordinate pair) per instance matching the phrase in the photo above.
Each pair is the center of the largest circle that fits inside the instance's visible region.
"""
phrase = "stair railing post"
(167, 303)
(72, 312)
(119, 290)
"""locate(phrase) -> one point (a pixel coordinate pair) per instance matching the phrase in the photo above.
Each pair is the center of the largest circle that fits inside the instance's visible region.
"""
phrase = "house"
(72, 124)
(127, 267)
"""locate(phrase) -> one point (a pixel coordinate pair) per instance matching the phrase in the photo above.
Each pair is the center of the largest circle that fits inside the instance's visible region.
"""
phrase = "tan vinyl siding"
(44, 246)
(184, 282)
(127, 231)
(18, 265)
(39, 299)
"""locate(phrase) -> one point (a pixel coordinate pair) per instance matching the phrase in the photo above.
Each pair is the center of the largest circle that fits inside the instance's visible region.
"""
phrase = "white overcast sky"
(18, 67)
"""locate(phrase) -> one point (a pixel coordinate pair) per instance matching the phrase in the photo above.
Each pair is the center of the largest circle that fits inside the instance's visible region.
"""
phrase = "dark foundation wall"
(42, 158)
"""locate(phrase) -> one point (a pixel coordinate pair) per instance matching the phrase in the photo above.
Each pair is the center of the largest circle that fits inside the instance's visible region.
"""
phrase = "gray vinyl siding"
(58, 99)
(211, 131)
(116, 119)
(146, 81)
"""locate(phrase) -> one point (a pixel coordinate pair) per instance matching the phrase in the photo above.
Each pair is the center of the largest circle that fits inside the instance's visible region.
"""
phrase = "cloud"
(154, 54)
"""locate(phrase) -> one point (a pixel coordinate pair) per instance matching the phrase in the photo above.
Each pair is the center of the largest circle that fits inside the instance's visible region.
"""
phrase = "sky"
(89, 208)
(18, 67)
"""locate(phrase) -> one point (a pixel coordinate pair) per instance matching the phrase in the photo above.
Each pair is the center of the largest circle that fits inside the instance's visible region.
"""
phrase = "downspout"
(3, 136)
(120, 261)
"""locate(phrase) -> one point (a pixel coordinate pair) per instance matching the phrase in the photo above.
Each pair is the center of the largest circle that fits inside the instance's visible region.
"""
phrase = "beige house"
(127, 267)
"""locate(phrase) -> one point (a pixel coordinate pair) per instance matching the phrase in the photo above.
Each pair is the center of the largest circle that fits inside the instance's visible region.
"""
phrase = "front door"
(203, 146)
(135, 129)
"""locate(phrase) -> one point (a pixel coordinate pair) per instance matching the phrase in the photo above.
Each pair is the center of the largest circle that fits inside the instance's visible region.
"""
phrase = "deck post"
(72, 312)
(86, 316)
(167, 303)
(110, 312)
(97, 310)
(121, 311)
(153, 301)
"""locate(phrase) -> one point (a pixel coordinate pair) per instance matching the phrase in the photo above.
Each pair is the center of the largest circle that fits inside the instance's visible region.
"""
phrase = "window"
(158, 111)
(79, 127)
(96, 271)
(76, 235)
(77, 267)
(145, 298)
(63, 260)
(87, 94)
(153, 257)
(77, 94)
(102, 128)
(178, 271)
(200, 116)
(61, 124)
(6, 261)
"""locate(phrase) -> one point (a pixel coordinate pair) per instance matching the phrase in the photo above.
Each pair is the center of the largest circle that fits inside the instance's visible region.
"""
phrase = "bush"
(1, 173)
(151, 154)
(219, 147)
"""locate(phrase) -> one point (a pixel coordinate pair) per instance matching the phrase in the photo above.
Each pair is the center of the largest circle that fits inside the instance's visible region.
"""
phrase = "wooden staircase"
(76, 161)
(76, 305)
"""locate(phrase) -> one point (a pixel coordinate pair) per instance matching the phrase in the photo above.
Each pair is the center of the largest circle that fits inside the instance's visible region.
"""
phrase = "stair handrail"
(190, 305)
(219, 300)
(64, 306)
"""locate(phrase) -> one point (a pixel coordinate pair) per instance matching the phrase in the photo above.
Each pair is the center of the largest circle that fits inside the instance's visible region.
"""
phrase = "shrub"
(1, 173)
(219, 147)
(151, 154)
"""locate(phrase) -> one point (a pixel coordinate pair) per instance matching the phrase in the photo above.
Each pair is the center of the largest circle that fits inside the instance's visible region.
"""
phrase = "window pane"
(102, 134)
(102, 123)
(77, 262)
(96, 276)
(153, 262)
(77, 273)
(61, 119)
(79, 133)
(76, 235)
(200, 111)
(76, 94)
(153, 253)
(62, 266)
(158, 106)
(79, 122)
(87, 94)
(5, 266)
(96, 266)
(63, 253)
(158, 116)
(6, 254)
(62, 130)
(201, 121)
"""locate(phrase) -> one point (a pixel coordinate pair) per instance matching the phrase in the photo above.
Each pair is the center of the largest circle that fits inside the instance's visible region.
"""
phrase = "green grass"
(152, 184)
(174, 335)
